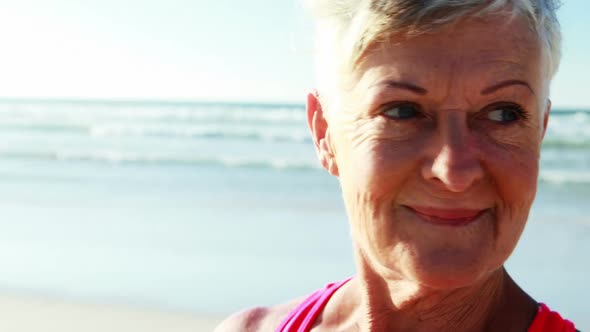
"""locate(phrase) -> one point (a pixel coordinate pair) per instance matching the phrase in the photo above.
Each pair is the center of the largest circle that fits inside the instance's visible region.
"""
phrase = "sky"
(196, 50)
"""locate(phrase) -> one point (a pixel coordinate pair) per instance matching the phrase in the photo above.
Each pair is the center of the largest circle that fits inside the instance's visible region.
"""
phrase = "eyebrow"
(486, 91)
(505, 84)
(405, 86)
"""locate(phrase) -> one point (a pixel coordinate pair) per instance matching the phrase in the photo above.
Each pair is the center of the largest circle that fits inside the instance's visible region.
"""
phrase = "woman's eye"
(401, 111)
(505, 114)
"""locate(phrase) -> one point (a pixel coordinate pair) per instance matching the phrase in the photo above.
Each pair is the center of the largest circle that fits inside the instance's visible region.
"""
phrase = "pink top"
(303, 317)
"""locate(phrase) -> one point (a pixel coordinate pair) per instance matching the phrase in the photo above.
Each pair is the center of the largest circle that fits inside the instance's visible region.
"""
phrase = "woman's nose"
(455, 162)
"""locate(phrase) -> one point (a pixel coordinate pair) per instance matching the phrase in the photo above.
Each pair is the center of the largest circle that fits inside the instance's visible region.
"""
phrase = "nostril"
(456, 169)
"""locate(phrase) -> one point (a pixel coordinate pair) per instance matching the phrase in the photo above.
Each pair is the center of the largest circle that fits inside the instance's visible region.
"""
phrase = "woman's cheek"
(513, 166)
(377, 155)
(376, 176)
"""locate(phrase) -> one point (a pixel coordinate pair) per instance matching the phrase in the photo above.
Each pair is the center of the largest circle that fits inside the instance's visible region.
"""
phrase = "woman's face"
(436, 145)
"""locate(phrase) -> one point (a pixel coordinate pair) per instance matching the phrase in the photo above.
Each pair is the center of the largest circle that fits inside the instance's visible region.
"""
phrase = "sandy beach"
(23, 314)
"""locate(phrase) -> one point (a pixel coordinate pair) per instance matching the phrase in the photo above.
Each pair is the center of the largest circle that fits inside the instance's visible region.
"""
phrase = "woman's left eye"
(506, 114)
(401, 111)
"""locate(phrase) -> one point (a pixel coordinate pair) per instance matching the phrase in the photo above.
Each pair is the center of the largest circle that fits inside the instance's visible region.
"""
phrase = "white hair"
(346, 28)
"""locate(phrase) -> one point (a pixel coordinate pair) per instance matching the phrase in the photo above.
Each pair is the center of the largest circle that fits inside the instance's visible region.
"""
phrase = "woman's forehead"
(485, 51)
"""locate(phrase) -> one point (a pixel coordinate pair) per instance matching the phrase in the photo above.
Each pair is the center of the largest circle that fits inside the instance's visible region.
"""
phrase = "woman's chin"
(447, 270)
(448, 280)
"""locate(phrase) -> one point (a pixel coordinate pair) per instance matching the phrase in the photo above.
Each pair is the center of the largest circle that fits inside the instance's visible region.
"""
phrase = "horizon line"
(146, 101)
(189, 101)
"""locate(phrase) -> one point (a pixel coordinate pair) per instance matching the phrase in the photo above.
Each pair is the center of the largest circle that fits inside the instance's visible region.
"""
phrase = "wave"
(123, 130)
(569, 129)
(244, 133)
(49, 128)
(567, 143)
(565, 176)
(213, 113)
(123, 158)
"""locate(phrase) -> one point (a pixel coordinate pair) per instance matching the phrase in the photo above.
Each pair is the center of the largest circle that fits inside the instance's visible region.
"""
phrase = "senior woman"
(431, 114)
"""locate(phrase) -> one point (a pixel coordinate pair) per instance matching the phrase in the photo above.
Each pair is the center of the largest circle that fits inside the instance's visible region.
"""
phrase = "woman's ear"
(320, 133)
(546, 118)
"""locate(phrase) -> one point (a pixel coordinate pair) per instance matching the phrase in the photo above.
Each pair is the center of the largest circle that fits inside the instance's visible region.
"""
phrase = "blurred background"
(155, 154)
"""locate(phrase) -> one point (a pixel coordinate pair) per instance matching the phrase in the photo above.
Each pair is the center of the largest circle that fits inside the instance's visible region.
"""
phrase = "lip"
(448, 217)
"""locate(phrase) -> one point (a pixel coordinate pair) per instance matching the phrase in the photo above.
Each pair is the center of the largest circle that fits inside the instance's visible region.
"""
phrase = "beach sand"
(22, 314)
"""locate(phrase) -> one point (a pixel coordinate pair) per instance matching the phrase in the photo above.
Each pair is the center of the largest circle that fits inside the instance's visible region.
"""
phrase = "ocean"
(213, 207)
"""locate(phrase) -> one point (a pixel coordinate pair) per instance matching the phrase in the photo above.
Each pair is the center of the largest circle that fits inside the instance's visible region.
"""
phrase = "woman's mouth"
(447, 217)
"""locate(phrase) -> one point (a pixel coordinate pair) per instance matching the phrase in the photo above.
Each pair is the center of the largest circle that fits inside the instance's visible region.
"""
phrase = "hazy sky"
(255, 50)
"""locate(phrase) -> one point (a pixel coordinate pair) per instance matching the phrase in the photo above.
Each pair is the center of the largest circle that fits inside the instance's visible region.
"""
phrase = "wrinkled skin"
(452, 121)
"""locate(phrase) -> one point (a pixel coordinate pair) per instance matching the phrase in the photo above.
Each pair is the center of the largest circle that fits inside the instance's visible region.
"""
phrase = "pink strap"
(302, 318)
(550, 321)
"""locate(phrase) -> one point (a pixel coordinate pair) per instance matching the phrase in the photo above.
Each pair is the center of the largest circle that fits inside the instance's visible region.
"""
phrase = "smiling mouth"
(447, 217)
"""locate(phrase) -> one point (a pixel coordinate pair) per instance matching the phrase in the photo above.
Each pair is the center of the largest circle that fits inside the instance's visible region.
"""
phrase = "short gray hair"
(346, 28)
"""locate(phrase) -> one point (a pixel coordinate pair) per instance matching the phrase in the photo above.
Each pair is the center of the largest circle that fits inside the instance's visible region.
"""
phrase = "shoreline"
(29, 313)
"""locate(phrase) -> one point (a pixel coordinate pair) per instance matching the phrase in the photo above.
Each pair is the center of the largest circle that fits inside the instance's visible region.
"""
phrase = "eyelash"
(419, 111)
(522, 113)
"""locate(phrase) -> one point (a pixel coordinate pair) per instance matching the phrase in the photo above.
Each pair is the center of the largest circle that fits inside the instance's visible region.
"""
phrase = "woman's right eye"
(401, 111)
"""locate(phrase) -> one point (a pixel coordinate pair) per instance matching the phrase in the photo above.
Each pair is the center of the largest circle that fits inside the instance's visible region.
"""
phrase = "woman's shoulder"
(258, 319)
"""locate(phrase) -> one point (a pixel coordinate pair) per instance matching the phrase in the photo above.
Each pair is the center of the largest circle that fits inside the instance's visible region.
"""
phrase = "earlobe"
(318, 126)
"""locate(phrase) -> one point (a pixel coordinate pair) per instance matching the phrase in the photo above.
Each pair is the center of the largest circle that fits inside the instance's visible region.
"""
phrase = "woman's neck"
(372, 303)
